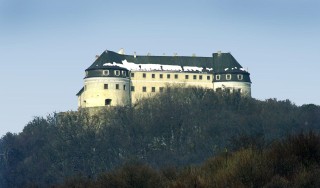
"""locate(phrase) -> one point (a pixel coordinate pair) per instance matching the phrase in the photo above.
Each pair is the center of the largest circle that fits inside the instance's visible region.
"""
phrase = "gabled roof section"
(111, 57)
(226, 63)
(80, 92)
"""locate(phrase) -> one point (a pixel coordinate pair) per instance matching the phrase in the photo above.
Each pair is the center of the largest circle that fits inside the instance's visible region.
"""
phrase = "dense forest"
(174, 130)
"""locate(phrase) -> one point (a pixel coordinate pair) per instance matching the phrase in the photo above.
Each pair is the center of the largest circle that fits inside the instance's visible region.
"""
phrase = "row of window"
(106, 86)
(229, 77)
(176, 76)
(229, 90)
(116, 72)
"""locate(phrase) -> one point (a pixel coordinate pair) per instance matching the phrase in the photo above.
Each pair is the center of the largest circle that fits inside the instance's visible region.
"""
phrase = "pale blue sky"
(45, 46)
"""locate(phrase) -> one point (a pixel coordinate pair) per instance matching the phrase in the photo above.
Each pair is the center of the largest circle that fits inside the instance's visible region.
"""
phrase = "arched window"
(107, 102)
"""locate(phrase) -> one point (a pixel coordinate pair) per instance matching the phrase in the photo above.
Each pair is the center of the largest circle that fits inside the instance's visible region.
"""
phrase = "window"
(144, 75)
(153, 75)
(107, 102)
(132, 74)
(124, 87)
(132, 88)
(161, 76)
(218, 77)
(124, 73)
(200, 77)
(161, 89)
(144, 89)
(175, 76)
(187, 76)
(168, 76)
(105, 86)
(105, 72)
(153, 89)
(117, 72)
(208, 77)
(228, 90)
(240, 76)
(228, 77)
(239, 90)
(117, 86)
(194, 77)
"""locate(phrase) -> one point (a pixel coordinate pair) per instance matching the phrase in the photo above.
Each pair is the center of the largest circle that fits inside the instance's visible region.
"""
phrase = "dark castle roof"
(221, 63)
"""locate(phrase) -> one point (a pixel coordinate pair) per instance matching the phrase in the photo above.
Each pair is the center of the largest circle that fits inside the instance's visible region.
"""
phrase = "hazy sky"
(45, 45)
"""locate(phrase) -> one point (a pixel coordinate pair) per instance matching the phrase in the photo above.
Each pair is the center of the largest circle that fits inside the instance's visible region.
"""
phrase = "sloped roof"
(110, 57)
(226, 63)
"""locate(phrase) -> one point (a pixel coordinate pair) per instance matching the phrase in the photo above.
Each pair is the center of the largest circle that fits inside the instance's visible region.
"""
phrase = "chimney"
(121, 51)
(135, 54)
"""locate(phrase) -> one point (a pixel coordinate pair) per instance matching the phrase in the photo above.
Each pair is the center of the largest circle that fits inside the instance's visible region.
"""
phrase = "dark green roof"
(226, 63)
(80, 92)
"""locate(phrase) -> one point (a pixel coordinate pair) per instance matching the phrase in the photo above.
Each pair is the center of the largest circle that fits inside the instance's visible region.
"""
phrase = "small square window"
(187, 76)
(132, 74)
(144, 89)
(144, 75)
(168, 76)
(208, 78)
(117, 86)
(194, 77)
(161, 75)
(132, 88)
(218, 77)
(105, 72)
(153, 75)
(240, 76)
(228, 77)
(105, 86)
(124, 87)
(200, 77)
(175, 76)
(117, 72)
(161, 89)
(153, 89)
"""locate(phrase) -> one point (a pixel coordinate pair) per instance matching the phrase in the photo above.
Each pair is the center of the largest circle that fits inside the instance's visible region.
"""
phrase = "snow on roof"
(154, 67)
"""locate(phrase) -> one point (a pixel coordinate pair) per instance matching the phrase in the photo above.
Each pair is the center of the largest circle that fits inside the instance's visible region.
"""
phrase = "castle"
(116, 79)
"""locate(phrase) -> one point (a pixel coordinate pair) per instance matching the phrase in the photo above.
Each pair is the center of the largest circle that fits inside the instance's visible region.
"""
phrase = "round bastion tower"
(105, 85)
(229, 75)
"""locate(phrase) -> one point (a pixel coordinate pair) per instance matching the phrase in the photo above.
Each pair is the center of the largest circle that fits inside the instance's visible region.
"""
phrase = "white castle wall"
(234, 86)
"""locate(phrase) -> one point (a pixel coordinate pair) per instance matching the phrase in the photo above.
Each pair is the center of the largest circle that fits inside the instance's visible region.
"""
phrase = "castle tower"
(105, 84)
(229, 75)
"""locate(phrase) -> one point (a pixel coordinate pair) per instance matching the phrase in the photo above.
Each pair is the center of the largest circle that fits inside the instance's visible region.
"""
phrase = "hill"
(176, 128)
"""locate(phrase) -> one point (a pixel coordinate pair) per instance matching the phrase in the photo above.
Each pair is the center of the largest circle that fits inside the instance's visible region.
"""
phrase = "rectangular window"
(161, 89)
(228, 76)
(194, 77)
(105, 72)
(144, 89)
(208, 77)
(175, 76)
(168, 76)
(117, 72)
(200, 77)
(153, 89)
(117, 86)
(144, 75)
(132, 74)
(153, 75)
(124, 73)
(124, 87)
(240, 76)
(187, 76)
(132, 88)
(217, 77)
(105, 86)
(161, 75)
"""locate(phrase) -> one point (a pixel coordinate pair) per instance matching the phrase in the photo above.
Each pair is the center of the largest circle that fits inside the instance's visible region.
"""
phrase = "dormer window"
(117, 72)
(240, 76)
(124, 73)
(105, 72)
(218, 77)
(228, 77)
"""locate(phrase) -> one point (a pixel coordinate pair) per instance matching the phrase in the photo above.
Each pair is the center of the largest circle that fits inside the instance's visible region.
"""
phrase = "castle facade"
(116, 79)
